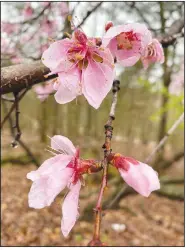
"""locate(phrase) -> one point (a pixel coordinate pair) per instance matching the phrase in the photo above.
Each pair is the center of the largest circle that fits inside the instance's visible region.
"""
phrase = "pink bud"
(108, 25)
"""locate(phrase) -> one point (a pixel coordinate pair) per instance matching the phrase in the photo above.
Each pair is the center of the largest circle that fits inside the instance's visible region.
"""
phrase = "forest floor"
(153, 221)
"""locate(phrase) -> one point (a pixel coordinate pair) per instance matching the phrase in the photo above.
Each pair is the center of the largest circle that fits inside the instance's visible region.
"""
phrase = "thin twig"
(33, 19)
(163, 140)
(21, 143)
(89, 13)
(107, 150)
(13, 107)
(17, 127)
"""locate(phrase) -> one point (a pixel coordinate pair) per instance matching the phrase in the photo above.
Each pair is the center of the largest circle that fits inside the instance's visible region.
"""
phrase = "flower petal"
(126, 62)
(59, 142)
(70, 209)
(136, 27)
(97, 82)
(55, 163)
(141, 178)
(127, 57)
(55, 53)
(44, 190)
(69, 86)
(156, 55)
(151, 175)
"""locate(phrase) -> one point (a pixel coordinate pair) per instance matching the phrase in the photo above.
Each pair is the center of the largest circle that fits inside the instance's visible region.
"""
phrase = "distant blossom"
(132, 42)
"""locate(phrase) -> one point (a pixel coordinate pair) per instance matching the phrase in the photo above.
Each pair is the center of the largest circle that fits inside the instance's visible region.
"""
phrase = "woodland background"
(149, 102)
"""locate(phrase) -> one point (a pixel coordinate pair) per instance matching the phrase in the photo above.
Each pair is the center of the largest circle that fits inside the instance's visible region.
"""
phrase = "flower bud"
(108, 25)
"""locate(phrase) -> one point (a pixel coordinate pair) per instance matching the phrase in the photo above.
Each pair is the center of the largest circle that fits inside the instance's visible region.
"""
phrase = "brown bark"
(17, 77)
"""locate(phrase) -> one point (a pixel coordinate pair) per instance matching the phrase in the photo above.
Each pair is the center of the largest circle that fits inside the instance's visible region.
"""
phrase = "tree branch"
(21, 143)
(89, 13)
(33, 19)
(172, 34)
(12, 108)
(17, 127)
(107, 150)
(164, 139)
(166, 164)
(17, 77)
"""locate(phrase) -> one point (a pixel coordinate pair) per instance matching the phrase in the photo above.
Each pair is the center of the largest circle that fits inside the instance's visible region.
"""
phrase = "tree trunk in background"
(43, 123)
(56, 114)
(89, 121)
(63, 119)
(81, 117)
(164, 97)
(131, 133)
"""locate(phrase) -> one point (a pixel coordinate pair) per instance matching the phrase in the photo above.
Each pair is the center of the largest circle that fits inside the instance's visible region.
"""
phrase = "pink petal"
(145, 62)
(43, 91)
(136, 27)
(131, 56)
(126, 58)
(69, 86)
(70, 209)
(44, 190)
(55, 53)
(56, 163)
(141, 178)
(158, 54)
(97, 82)
(159, 50)
(151, 175)
(127, 62)
(59, 142)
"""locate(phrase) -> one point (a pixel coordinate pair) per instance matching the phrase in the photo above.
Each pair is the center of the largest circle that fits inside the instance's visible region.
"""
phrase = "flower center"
(126, 40)
(150, 51)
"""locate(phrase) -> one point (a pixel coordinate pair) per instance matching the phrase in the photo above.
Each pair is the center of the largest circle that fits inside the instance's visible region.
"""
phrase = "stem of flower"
(107, 150)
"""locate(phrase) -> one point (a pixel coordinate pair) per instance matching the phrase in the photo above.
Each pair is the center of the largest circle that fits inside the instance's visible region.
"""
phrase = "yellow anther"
(67, 34)
(78, 56)
(69, 18)
(97, 58)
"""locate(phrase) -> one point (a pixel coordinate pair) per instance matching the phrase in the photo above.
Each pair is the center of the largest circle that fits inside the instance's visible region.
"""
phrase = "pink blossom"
(53, 176)
(63, 8)
(28, 11)
(48, 26)
(43, 91)
(9, 28)
(108, 25)
(16, 59)
(127, 42)
(44, 47)
(82, 67)
(136, 174)
(153, 53)
(45, 4)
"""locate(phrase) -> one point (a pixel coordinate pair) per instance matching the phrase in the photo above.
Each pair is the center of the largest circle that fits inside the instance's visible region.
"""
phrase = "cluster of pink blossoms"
(66, 168)
(86, 66)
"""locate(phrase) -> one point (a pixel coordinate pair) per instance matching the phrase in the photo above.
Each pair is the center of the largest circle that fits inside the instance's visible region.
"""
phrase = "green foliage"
(174, 105)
